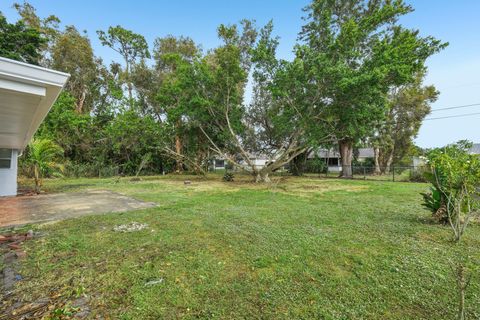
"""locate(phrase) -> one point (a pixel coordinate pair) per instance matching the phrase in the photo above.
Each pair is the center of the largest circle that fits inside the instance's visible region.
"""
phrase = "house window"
(5, 158)
(333, 161)
(219, 163)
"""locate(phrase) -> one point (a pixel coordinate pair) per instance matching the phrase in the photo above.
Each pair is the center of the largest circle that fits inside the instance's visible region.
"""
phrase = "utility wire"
(456, 107)
(455, 116)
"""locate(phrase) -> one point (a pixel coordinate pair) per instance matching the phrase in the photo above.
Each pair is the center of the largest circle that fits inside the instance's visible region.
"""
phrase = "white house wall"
(8, 177)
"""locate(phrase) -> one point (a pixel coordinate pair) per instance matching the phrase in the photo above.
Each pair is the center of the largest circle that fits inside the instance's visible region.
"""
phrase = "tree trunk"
(376, 152)
(346, 154)
(262, 177)
(38, 182)
(389, 162)
(178, 150)
(178, 147)
(129, 84)
(80, 102)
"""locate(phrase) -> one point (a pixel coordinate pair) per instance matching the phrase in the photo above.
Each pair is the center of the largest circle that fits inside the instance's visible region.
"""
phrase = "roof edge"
(32, 73)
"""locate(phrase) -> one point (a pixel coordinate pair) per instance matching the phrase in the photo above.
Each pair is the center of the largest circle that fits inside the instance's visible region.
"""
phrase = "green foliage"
(48, 27)
(20, 42)
(408, 105)
(354, 52)
(106, 144)
(130, 45)
(417, 175)
(42, 157)
(190, 104)
(129, 138)
(316, 165)
(90, 170)
(127, 43)
(455, 174)
(228, 176)
(73, 53)
(69, 129)
(433, 200)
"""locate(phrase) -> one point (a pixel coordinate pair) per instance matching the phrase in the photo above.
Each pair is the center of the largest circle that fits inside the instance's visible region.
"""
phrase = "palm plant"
(42, 159)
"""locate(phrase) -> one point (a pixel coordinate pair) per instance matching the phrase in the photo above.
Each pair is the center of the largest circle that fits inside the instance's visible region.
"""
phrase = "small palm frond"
(45, 154)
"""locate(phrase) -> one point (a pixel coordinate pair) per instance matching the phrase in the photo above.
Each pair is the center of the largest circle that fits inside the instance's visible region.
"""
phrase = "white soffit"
(27, 92)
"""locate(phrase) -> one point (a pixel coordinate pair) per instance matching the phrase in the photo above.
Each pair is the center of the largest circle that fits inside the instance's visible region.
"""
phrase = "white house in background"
(258, 160)
(27, 93)
(333, 160)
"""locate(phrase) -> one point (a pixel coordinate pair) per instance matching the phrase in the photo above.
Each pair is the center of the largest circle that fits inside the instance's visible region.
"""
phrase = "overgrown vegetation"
(455, 179)
(455, 197)
(356, 77)
(43, 159)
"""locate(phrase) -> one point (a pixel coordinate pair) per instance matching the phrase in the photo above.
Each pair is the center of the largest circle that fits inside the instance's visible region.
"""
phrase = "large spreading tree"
(355, 52)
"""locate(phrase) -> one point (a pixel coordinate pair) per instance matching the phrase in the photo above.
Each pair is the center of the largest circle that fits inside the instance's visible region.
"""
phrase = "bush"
(89, 170)
(316, 165)
(228, 176)
(455, 177)
(417, 175)
(434, 202)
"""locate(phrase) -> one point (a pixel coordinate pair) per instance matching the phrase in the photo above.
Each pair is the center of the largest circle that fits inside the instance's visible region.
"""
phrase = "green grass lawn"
(301, 248)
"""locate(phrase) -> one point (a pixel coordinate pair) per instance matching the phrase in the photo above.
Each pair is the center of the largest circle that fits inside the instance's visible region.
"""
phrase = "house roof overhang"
(27, 92)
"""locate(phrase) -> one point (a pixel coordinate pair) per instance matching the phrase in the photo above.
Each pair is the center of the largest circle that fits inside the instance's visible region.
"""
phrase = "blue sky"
(455, 71)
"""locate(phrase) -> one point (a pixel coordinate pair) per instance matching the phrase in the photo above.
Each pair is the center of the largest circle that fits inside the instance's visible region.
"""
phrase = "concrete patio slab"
(52, 207)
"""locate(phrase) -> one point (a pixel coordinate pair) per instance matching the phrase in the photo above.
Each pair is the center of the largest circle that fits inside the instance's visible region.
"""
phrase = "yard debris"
(11, 251)
(130, 227)
(154, 282)
(13, 242)
(186, 182)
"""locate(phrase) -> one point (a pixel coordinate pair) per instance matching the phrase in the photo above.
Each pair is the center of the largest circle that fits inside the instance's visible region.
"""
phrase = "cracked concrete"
(53, 207)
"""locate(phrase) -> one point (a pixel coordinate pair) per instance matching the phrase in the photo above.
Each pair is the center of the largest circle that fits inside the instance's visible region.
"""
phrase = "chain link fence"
(393, 173)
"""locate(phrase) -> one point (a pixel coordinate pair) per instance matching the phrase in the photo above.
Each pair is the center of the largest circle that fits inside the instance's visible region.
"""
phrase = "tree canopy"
(355, 52)
(356, 75)
(20, 42)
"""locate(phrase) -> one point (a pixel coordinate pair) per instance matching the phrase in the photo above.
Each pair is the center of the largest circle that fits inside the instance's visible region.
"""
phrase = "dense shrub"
(228, 176)
(316, 165)
(417, 175)
(90, 170)
(455, 177)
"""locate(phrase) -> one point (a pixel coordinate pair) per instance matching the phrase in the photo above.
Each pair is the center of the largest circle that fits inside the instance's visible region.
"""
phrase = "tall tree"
(73, 53)
(173, 57)
(20, 42)
(408, 106)
(165, 49)
(48, 27)
(131, 46)
(355, 52)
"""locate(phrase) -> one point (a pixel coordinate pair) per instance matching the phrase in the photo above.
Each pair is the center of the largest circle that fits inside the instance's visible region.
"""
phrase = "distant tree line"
(356, 78)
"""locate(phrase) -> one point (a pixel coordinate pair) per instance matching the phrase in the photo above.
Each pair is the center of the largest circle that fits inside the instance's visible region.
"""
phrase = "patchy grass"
(296, 249)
